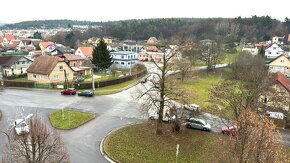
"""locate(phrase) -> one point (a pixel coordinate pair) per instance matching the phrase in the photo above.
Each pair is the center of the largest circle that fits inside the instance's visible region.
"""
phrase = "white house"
(124, 59)
(278, 40)
(273, 51)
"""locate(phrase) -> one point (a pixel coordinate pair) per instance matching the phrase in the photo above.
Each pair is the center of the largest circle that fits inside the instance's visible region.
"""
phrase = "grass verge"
(139, 143)
(69, 119)
(114, 88)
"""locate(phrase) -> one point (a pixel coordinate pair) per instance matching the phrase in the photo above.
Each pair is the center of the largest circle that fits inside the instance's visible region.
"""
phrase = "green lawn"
(139, 143)
(69, 119)
(21, 79)
(114, 88)
(201, 84)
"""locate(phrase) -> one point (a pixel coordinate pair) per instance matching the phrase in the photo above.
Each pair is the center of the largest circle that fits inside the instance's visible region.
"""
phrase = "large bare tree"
(256, 140)
(159, 92)
(40, 145)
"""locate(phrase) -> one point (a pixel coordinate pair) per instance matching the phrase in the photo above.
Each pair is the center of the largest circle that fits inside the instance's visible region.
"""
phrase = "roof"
(1, 39)
(87, 51)
(16, 42)
(43, 65)
(289, 37)
(45, 44)
(73, 57)
(281, 79)
(277, 58)
(9, 60)
(9, 37)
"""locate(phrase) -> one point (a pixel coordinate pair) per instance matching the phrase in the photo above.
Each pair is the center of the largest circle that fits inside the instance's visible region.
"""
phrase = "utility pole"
(92, 73)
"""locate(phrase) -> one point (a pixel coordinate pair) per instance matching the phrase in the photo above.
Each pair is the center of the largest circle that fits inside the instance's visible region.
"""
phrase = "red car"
(229, 130)
(69, 91)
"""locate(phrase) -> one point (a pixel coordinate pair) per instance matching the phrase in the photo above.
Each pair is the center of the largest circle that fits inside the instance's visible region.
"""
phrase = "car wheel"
(188, 126)
(223, 132)
(204, 129)
(61, 93)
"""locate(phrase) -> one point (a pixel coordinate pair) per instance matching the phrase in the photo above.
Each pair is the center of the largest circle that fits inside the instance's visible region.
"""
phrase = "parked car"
(192, 107)
(275, 115)
(143, 80)
(80, 79)
(21, 127)
(287, 75)
(229, 130)
(69, 91)
(198, 124)
(87, 93)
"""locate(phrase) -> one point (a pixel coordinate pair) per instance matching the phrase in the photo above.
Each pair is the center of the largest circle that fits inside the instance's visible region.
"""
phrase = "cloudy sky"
(106, 10)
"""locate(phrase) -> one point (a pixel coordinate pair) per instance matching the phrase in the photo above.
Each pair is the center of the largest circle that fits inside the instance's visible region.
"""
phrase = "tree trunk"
(159, 127)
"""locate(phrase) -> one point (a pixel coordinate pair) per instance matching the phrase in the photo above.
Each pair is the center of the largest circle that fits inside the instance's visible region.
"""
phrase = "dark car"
(69, 91)
(87, 93)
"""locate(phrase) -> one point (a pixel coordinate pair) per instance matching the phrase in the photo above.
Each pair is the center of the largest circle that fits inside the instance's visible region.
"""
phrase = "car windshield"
(71, 89)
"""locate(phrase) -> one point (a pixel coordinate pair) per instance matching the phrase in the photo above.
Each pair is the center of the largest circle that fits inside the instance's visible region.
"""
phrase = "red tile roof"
(281, 79)
(43, 65)
(45, 44)
(9, 37)
(87, 51)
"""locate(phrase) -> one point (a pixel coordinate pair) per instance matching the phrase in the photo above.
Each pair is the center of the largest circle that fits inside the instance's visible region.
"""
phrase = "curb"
(102, 147)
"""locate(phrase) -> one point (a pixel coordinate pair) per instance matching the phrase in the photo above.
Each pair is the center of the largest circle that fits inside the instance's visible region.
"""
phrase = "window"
(116, 62)
(274, 48)
(122, 57)
(33, 76)
(282, 61)
(122, 63)
(41, 77)
(60, 68)
(128, 63)
(23, 62)
(55, 77)
(18, 62)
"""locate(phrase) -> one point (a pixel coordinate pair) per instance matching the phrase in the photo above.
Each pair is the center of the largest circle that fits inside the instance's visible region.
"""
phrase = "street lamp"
(92, 73)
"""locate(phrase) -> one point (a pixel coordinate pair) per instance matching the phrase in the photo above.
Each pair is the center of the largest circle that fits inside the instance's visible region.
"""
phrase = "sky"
(111, 10)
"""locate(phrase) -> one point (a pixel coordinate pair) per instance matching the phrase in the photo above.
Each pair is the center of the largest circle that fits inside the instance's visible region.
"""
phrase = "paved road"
(113, 111)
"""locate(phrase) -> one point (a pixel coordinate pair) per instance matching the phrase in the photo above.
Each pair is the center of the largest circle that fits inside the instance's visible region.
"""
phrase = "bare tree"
(159, 92)
(256, 140)
(211, 53)
(40, 145)
(183, 65)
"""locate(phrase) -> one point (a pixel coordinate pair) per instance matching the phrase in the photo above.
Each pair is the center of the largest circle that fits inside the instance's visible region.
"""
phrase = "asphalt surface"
(112, 111)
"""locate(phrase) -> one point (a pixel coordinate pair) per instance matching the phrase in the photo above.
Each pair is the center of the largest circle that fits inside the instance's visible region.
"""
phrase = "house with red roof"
(49, 69)
(85, 52)
(7, 38)
(278, 96)
(43, 45)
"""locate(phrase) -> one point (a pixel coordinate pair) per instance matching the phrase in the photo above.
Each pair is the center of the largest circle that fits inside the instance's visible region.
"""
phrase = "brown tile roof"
(281, 79)
(46, 44)
(87, 51)
(8, 60)
(11, 46)
(73, 57)
(16, 42)
(43, 65)
(9, 37)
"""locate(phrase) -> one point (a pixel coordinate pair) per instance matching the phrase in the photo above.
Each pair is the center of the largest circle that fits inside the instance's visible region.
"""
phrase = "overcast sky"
(109, 10)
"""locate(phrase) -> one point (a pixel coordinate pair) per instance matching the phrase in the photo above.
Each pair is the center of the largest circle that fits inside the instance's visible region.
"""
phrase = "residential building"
(124, 59)
(49, 69)
(14, 65)
(7, 38)
(44, 45)
(95, 40)
(278, 40)
(289, 38)
(85, 52)
(273, 51)
(281, 64)
(73, 60)
(279, 97)
(152, 40)
(251, 49)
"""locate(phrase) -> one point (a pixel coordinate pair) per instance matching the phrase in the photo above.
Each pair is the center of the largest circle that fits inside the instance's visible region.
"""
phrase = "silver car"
(198, 124)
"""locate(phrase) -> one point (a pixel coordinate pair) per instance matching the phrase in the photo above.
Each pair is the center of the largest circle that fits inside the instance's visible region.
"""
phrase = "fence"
(85, 85)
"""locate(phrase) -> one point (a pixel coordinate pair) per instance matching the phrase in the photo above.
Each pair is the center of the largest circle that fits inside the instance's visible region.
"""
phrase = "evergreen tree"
(262, 51)
(101, 56)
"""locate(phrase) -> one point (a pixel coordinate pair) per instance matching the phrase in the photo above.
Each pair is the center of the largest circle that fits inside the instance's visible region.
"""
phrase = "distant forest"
(250, 29)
